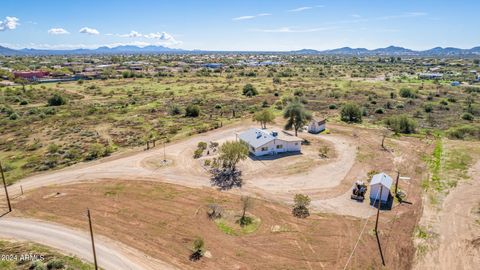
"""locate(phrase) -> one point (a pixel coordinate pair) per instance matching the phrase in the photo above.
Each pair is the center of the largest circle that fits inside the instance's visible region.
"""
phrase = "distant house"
(213, 65)
(264, 142)
(316, 126)
(379, 180)
(430, 76)
(30, 75)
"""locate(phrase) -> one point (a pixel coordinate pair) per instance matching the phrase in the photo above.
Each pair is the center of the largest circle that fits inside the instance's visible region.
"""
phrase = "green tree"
(247, 204)
(249, 90)
(197, 252)
(351, 113)
(300, 207)
(264, 117)
(296, 115)
(232, 152)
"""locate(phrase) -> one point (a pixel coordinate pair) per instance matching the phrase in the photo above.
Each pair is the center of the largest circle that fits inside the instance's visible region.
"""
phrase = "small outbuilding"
(379, 180)
(316, 126)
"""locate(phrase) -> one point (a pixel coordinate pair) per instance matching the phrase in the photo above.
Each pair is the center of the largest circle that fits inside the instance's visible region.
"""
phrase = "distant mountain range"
(388, 51)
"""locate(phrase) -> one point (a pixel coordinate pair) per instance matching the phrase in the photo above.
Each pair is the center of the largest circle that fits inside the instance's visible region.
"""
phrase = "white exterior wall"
(315, 127)
(272, 147)
(375, 192)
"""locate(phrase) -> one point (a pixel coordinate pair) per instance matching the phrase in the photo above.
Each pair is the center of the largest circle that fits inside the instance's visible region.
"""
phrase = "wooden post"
(21, 189)
(6, 190)
(91, 237)
(378, 209)
(396, 183)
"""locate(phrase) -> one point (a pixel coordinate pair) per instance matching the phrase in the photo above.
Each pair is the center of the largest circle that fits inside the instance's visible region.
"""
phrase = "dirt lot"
(163, 219)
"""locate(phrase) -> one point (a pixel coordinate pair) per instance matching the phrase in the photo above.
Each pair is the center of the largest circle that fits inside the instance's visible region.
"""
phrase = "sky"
(261, 25)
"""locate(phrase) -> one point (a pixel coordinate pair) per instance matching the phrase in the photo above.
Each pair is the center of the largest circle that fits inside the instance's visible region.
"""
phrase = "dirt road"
(458, 245)
(110, 254)
(187, 171)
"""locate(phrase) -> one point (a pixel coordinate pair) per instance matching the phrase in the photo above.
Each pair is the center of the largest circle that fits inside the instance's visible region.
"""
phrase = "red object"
(30, 75)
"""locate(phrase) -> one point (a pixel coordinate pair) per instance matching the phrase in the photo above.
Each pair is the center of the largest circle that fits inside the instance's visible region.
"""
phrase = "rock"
(207, 254)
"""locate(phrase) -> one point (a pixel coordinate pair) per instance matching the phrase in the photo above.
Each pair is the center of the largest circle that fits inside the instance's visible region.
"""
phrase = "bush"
(332, 106)
(192, 111)
(467, 116)
(249, 90)
(428, 107)
(57, 100)
(401, 124)
(175, 110)
(351, 113)
(197, 153)
(464, 132)
(379, 111)
(407, 93)
(202, 145)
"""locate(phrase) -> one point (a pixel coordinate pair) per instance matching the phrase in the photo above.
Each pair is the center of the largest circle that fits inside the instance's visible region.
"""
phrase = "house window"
(279, 146)
(264, 148)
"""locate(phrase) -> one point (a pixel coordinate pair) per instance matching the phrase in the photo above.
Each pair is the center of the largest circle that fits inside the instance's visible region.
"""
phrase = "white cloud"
(58, 31)
(9, 23)
(249, 17)
(293, 30)
(299, 9)
(162, 37)
(90, 31)
(132, 34)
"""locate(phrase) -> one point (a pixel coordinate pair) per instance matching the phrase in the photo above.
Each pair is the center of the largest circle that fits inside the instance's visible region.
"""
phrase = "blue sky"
(239, 25)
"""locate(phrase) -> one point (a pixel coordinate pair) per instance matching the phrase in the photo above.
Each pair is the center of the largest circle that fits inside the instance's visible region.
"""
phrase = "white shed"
(316, 126)
(378, 180)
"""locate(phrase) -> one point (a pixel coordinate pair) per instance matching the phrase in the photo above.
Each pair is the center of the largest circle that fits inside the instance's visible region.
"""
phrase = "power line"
(360, 236)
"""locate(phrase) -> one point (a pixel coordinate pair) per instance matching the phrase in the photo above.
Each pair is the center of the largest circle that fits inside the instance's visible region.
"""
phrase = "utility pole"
(6, 190)
(91, 237)
(396, 183)
(376, 225)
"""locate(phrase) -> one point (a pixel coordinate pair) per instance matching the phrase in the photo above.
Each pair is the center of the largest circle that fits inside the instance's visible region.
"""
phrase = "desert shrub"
(467, 116)
(56, 100)
(97, 150)
(197, 252)
(464, 132)
(379, 111)
(174, 110)
(428, 107)
(214, 211)
(351, 113)
(55, 264)
(202, 145)
(249, 90)
(407, 93)
(332, 106)
(401, 124)
(192, 111)
(197, 153)
(300, 208)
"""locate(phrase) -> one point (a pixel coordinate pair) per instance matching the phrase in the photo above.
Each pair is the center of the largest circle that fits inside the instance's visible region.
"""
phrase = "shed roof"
(382, 179)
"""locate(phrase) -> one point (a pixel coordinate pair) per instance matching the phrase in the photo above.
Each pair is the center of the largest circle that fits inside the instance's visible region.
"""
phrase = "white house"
(316, 126)
(377, 181)
(266, 142)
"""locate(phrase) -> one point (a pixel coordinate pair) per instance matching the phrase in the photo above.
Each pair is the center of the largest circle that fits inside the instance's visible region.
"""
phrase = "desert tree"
(226, 176)
(247, 204)
(264, 117)
(197, 252)
(351, 113)
(300, 207)
(296, 115)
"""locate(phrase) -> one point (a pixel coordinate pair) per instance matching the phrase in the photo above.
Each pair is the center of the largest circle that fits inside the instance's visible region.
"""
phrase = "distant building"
(30, 75)
(213, 65)
(316, 126)
(430, 76)
(264, 142)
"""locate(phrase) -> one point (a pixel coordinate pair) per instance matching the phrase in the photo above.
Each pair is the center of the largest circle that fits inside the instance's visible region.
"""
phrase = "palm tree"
(296, 115)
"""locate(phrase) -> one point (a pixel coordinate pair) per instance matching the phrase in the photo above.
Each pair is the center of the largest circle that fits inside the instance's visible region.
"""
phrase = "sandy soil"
(458, 228)
(162, 220)
(110, 254)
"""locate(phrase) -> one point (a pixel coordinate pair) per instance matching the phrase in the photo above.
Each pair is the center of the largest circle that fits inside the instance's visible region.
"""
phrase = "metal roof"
(382, 179)
(256, 137)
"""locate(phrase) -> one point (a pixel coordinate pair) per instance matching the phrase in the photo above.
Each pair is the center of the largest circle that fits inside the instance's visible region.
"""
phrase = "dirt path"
(458, 231)
(110, 254)
(186, 171)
